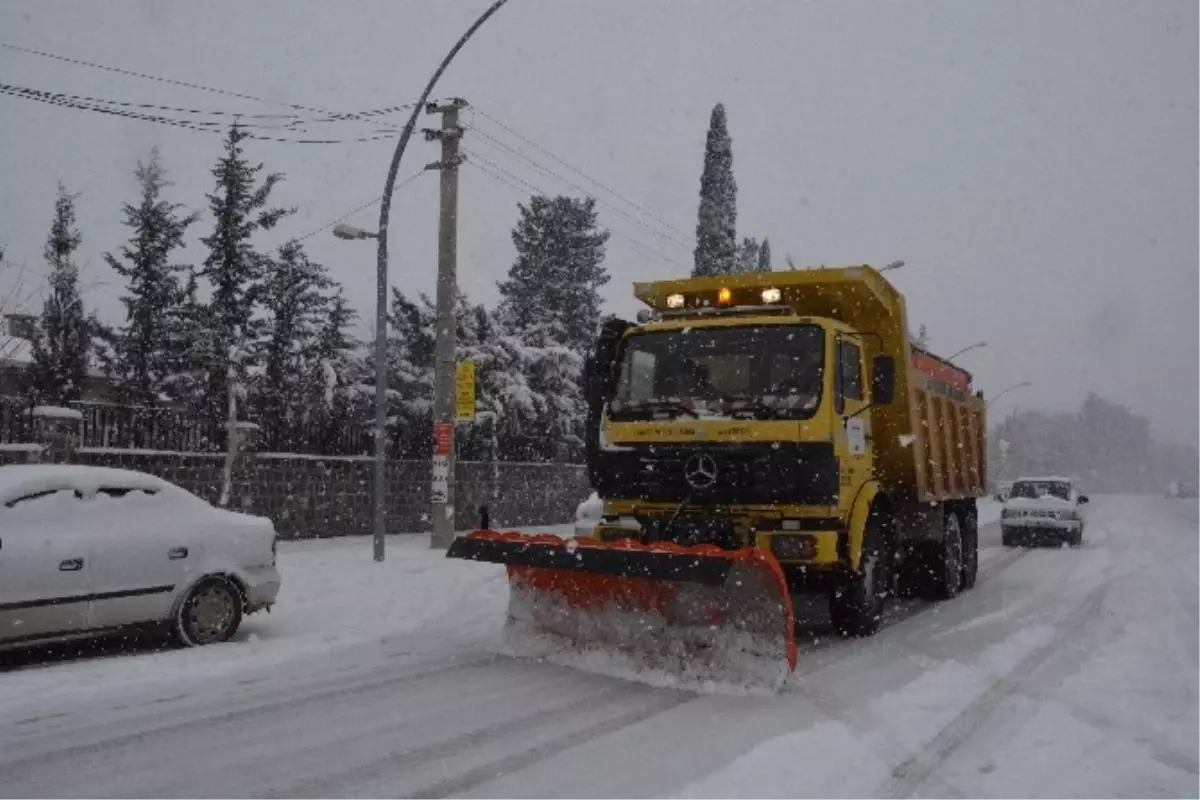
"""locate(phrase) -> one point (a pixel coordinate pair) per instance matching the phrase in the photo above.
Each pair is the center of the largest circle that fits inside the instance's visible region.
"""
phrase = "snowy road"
(1064, 673)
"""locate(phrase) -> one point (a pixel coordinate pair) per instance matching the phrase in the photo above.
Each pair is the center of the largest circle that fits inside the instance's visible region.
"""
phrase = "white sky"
(1034, 163)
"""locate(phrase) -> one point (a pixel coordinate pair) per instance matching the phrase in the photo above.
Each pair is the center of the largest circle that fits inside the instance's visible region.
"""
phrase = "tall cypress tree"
(240, 208)
(764, 256)
(716, 232)
(144, 361)
(62, 338)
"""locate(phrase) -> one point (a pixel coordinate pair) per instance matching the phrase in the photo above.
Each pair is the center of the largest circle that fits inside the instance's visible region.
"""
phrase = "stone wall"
(312, 496)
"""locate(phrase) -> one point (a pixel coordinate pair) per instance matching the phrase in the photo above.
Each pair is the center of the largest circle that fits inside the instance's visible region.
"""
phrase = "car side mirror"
(1083, 498)
(883, 380)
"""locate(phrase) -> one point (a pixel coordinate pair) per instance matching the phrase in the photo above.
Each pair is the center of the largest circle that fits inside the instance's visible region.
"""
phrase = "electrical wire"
(576, 170)
(192, 125)
(363, 207)
(522, 187)
(200, 87)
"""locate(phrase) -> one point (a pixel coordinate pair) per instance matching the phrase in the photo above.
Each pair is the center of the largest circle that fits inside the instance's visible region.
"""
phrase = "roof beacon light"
(771, 296)
(724, 296)
(674, 301)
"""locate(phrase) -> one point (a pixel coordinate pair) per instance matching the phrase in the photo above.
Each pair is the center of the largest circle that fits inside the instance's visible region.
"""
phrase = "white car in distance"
(1043, 508)
(87, 551)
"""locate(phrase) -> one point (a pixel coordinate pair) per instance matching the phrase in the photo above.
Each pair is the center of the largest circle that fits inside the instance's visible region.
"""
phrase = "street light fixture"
(343, 231)
(975, 346)
(1020, 385)
(894, 265)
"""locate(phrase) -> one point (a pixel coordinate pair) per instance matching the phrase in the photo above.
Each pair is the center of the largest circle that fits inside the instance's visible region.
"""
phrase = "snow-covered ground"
(1064, 673)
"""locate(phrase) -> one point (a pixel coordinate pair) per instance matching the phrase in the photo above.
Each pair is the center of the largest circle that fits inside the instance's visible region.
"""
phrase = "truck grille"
(769, 473)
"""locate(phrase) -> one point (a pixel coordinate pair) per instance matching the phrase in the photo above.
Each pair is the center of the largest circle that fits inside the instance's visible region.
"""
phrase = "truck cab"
(784, 411)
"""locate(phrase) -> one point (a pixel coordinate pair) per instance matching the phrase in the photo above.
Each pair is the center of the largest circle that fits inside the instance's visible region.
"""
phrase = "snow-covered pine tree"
(764, 256)
(747, 260)
(550, 304)
(716, 231)
(62, 339)
(295, 308)
(336, 367)
(234, 269)
(556, 277)
(411, 359)
(143, 361)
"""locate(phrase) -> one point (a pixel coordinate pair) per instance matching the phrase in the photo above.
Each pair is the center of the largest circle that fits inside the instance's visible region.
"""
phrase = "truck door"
(851, 432)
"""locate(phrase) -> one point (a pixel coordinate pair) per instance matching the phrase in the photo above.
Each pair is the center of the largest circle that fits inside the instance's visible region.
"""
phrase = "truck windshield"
(759, 371)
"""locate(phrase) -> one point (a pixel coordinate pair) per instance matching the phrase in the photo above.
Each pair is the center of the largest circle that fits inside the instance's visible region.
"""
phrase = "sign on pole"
(443, 446)
(464, 391)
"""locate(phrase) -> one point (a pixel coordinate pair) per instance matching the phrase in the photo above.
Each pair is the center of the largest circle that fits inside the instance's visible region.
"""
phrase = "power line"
(495, 144)
(197, 86)
(574, 169)
(192, 125)
(521, 186)
(363, 207)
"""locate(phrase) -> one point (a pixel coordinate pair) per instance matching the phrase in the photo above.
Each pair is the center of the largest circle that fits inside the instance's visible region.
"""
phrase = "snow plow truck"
(755, 436)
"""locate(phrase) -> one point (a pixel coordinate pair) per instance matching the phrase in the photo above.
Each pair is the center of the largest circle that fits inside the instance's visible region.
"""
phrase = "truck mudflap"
(696, 611)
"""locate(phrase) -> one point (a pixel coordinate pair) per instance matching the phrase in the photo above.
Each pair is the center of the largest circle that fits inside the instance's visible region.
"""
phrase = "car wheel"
(210, 613)
(1075, 538)
(947, 572)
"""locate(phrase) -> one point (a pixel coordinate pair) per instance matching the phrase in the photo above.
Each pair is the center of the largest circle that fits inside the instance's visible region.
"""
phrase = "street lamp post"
(1020, 385)
(379, 505)
(975, 346)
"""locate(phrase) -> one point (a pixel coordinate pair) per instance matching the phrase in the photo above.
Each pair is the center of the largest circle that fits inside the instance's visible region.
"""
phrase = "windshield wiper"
(752, 406)
(674, 407)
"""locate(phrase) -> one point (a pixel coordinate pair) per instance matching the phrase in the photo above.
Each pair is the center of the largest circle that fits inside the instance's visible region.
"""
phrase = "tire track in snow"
(456, 787)
(294, 698)
(378, 771)
(910, 774)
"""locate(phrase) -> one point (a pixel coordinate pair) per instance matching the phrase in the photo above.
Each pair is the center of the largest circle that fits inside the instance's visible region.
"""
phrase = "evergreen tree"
(235, 270)
(748, 255)
(144, 362)
(764, 256)
(62, 339)
(716, 231)
(296, 309)
(553, 285)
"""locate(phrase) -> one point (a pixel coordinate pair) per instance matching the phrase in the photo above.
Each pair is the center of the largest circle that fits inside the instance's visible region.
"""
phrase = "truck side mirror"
(883, 380)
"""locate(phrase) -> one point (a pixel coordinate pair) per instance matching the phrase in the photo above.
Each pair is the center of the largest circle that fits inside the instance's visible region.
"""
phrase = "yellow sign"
(464, 391)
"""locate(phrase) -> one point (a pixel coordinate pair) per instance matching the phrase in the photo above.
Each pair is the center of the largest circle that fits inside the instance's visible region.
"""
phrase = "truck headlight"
(787, 545)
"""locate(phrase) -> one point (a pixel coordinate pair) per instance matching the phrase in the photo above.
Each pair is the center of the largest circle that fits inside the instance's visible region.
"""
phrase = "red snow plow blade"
(694, 610)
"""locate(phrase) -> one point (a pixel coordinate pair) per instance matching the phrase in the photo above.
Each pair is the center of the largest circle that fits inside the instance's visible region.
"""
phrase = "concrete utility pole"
(442, 494)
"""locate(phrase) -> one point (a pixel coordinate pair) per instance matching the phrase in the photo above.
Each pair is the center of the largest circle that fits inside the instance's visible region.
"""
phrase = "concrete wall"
(310, 496)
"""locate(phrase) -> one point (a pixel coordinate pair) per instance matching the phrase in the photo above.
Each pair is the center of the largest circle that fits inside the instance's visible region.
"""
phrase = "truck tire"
(968, 520)
(946, 575)
(856, 607)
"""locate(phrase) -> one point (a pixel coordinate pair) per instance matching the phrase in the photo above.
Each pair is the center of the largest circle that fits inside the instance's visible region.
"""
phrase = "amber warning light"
(724, 296)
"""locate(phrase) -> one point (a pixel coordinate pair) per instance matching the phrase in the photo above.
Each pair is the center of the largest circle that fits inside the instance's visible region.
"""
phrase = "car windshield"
(1036, 489)
(765, 371)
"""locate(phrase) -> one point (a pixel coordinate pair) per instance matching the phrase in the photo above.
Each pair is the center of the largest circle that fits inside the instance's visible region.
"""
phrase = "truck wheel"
(947, 567)
(969, 524)
(856, 607)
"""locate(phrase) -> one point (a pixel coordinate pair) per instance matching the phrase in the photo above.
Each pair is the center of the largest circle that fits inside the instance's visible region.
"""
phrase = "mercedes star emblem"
(700, 471)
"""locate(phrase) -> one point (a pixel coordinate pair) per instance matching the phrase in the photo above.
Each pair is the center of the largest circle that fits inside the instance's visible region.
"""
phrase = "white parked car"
(1043, 508)
(86, 551)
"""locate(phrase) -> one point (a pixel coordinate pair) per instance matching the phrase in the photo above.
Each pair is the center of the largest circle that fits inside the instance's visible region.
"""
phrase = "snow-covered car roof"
(1047, 479)
(19, 480)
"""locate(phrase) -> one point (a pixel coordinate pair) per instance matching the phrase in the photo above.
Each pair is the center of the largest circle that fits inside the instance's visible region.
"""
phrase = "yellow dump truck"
(753, 436)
